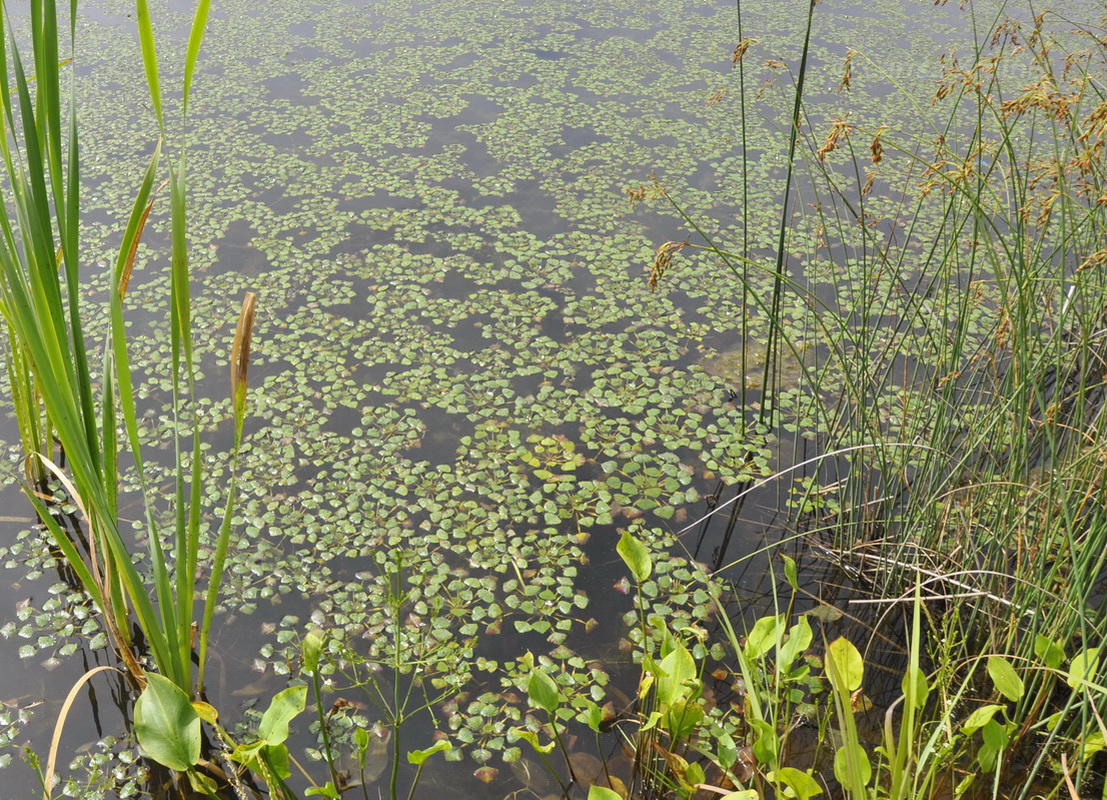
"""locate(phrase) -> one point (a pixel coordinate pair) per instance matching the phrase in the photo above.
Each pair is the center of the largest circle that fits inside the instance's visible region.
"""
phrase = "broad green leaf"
(995, 742)
(1005, 679)
(1084, 667)
(679, 676)
(747, 794)
(726, 751)
(694, 775)
(799, 639)
(285, 706)
(246, 753)
(276, 756)
(802, 785)
(766, 745)
(1092, 744)
(542, 691)
(636, 556)
(979, 718)
(419, 757)
(682, 719)
(764, 636)
(202, 783)
(1050, 653)
(855, 783)
(166, 724)
(844, 665)
(600, 793)
(594, 715)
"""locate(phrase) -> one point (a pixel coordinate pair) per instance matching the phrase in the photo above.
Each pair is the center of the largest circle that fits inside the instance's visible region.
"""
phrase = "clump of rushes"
(953, 284)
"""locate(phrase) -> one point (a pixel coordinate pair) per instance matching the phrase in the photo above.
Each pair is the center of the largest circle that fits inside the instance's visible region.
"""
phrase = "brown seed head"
(240, 349)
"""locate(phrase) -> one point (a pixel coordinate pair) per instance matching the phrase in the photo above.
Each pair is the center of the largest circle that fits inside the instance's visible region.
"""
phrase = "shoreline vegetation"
(922, 320)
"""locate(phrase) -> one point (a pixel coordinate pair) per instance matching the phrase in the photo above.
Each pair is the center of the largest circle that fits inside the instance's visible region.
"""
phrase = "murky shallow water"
(430, 202)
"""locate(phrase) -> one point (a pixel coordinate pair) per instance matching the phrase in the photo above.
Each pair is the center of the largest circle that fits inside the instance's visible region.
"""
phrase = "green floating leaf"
(636, 556)
(826, 613)
(1005, 679)
(166, 724)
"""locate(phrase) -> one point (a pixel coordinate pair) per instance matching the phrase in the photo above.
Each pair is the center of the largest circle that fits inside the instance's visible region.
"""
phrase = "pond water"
(458, 357)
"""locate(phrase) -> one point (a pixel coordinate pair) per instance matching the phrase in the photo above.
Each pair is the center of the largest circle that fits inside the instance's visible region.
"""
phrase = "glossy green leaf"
(766, 747)
(679, 676)
(1005, 679)
(766, 632)
(802, 784)
(856, 753)
(636, 556)
(979, 718)
(542, 691)
(273, 728)
(798, 640)
(1050, 653)
(845, 667)
(166, 724)
(1083, 668)
(791, 573)
(532, 738)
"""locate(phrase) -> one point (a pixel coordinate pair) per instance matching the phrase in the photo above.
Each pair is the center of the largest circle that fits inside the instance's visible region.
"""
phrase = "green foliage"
(166, 724)
(635, 556)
